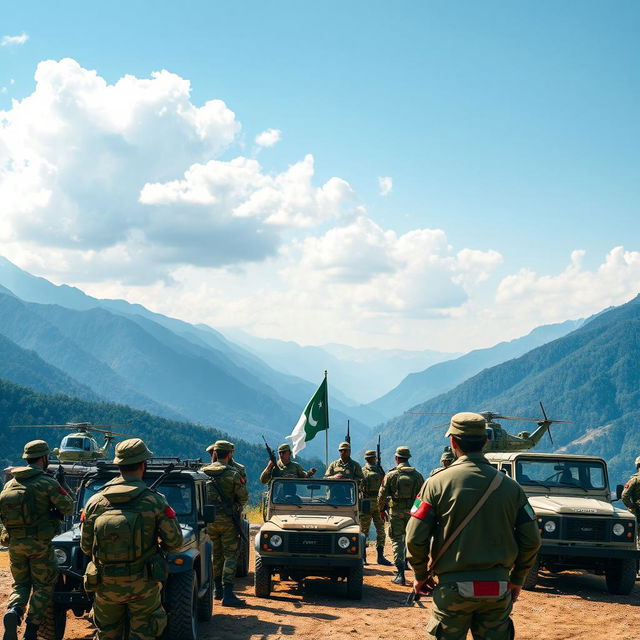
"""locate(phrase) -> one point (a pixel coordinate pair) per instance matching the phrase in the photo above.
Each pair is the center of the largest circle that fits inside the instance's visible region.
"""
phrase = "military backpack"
(407, 484)
(18, 506)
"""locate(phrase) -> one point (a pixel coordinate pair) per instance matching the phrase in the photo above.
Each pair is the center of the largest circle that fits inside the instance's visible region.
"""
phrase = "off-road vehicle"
(188, 592)
(311, 529)
(579, 525)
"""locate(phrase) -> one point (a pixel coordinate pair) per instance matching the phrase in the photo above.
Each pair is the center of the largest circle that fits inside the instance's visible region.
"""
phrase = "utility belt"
(151, 566)
(23, 532)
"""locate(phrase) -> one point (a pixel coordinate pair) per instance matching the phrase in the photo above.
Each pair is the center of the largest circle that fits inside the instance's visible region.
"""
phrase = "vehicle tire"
(205, 603)
(53, 624)
(621, 577)
(242, 566)
(261, 579)
(182, 606)
(354, 583)
(531, 579)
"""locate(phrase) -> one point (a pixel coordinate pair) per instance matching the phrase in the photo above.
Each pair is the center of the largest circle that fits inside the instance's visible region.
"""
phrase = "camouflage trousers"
(397, 525)
(452, 616)
(135, 599)
(225, 547)
(35, 572)
(365, 525)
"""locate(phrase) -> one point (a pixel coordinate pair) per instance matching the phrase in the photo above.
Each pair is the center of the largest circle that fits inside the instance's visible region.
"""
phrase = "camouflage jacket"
(499, 543)
(401, 485)
(631, 494)
(290, 470)
(229, 482)
(158, 518)
(240, 468)
(50, 501)
(350, 469)
(373, 477)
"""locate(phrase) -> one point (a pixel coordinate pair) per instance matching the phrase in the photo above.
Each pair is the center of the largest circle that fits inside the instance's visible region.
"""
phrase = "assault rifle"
(347, 438)
(165, 472)
(59, 476)
(272, 456)
(228, 508)
(379, 456)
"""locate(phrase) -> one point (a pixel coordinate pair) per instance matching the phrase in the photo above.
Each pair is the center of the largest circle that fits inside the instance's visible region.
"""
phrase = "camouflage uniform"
(240, 468)
(126, 573)
(290, 470)
(30, 506)
(400, 485)
(631, 497)
(373, 477)
(349, 469)
(447, 456)
(498, 546)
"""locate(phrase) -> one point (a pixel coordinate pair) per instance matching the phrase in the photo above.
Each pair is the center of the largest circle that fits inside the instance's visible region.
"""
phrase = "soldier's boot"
(12, 619)
(381, 559)
(31, 631)
(399, 577)
(217, 588)
(230, 599)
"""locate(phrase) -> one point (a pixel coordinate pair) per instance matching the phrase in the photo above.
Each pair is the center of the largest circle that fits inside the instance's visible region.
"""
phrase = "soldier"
(285, 468)
(121, 525)
(631, 493)
(344, 467)
(373, 476)
(446, 460)
(31, 504)
(240, 468)
(227, 489)
(401, 485)
(481, 571)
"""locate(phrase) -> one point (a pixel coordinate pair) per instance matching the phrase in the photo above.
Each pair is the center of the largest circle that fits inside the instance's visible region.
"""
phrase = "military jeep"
(579, 525)
(187, 594)
(311, 529)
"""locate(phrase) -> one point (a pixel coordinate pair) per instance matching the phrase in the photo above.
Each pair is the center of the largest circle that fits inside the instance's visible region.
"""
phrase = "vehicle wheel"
(531, 579)
(205, 604)
(53, 625)
(261, 579)
(182, 607)
(621, 577)
(354, 583)
(242, 566)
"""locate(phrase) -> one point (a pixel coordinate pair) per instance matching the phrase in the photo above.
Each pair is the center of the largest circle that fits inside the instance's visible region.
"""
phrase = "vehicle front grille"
(309, 543)
(587, 529)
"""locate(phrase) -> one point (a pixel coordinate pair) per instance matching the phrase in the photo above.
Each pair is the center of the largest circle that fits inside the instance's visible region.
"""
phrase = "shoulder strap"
(495, 483)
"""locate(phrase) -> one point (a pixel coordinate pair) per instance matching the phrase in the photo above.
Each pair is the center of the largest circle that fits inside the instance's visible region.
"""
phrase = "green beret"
(35, 449)
(131, 451)
(284, 447)
(403, 452)
(370, 453)
(467, 423)
(343, 446)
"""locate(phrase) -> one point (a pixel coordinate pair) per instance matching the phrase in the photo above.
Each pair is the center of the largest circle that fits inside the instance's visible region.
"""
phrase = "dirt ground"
(563, 607)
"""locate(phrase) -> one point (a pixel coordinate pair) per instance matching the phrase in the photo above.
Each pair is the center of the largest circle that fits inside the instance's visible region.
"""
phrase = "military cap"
(222, 445)
(132, 451)
(403, 452)
(637, 461)
(35, 449)
(370, 453)
(344, 445)
(284, 447)
(467, 423)
(209, 449)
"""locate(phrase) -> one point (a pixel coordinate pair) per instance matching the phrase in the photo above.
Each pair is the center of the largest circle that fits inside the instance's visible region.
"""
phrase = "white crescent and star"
(312, 422)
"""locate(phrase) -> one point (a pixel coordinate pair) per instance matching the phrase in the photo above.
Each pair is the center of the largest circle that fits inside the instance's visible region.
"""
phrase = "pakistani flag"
(314, 418)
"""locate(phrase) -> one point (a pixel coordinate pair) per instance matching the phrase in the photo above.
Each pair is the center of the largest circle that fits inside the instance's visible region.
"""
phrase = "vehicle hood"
(309, 521)
(573, 505)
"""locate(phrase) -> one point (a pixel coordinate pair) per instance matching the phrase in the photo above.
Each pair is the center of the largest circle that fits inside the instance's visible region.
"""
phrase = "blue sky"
(512, 127)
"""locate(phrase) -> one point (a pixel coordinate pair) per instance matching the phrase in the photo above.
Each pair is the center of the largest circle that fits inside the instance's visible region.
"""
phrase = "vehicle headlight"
(61, 555)
(549, 526)
(618, 529)
(275, 540)
(343, 542)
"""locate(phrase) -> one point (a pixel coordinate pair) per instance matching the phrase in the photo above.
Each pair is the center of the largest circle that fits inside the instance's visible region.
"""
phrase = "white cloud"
(385, 185)
(14, 41)
(268, 138)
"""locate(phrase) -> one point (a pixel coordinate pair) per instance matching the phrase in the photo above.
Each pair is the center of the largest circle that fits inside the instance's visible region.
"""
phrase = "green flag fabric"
(313, 419)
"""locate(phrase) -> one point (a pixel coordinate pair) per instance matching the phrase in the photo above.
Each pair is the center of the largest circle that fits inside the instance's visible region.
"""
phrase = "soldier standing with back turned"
(480, 573)
(121, 526)
(227, 489)
(30, 504)
(401, 485)
(373, 477)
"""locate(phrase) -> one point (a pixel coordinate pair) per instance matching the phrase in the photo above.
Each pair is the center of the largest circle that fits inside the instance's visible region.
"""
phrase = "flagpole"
(326, 431)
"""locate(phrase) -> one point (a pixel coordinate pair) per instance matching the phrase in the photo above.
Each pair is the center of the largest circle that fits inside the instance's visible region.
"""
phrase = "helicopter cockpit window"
(489, 433)
(73, 443)
(87, 444)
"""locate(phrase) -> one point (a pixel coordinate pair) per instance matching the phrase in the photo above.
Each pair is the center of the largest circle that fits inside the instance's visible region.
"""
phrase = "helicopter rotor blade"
(40, 426)
(113, 433)
(430, 413)
(442, 424)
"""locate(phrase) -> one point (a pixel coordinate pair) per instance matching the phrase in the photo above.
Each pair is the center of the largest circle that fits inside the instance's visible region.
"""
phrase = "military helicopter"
(79, 446)
(498, 439)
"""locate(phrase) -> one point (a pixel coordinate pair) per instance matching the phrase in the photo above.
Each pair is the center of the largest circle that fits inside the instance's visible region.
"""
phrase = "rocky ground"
(564, 607)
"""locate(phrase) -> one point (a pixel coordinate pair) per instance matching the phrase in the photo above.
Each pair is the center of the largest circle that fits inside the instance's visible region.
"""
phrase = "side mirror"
(619, 490)
(365, 505)
(209, 513)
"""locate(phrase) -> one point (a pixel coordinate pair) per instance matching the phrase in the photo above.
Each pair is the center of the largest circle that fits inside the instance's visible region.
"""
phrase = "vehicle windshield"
(585, 474)
(337, 494)
(178, 495)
